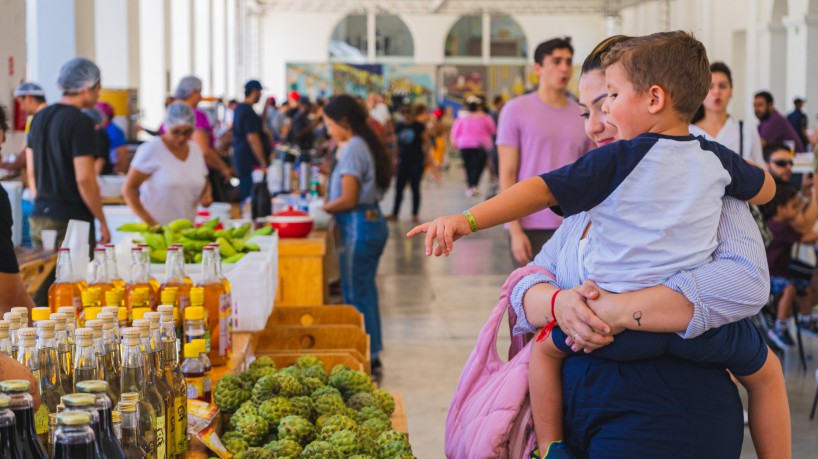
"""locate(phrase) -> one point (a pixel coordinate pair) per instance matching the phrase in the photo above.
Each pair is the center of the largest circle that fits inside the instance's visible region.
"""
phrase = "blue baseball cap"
(252, 84)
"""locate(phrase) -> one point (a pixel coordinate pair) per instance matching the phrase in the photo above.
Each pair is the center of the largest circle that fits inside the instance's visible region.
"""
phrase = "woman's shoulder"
(151, 146)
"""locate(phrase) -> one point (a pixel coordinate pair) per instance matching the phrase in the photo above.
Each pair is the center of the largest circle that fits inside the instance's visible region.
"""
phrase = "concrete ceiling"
(518, 7)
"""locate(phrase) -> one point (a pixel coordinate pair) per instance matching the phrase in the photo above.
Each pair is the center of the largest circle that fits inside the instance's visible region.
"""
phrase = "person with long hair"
(362, 174)
(473, 134)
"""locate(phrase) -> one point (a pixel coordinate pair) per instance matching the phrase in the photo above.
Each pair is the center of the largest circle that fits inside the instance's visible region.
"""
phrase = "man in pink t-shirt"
(537, 133)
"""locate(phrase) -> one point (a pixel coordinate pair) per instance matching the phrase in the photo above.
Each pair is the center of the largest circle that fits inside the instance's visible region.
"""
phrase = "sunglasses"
(783, 162)
(181, 132)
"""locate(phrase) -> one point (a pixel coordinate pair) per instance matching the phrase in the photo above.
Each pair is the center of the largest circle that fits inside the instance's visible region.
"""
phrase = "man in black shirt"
(62, 161)
(302, 132)
(250, 146)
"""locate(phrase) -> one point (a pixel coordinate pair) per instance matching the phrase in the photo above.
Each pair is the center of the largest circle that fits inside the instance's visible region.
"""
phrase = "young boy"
(654, 200)
(780, 214)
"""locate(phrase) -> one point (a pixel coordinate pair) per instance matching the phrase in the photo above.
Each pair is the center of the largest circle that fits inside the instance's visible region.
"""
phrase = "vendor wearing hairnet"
(61, 157)
(168, 176)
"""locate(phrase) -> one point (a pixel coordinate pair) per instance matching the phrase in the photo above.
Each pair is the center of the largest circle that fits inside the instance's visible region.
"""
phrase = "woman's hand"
(585, 329)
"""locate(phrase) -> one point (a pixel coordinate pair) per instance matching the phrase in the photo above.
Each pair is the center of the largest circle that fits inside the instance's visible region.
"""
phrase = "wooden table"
(35, 266)
(302, 270)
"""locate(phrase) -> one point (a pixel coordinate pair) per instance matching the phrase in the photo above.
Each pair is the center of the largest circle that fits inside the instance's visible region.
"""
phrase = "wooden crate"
(347, 338)
(316, 315)
(284, 359)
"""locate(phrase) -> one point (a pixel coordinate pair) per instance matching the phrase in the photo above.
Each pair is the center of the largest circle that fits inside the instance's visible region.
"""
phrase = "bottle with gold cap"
(193, 370)
(133, 380)
(197, 299)
(74, 438)
(151, 392)
(161, 380)
(113, 270)
(90, 306)
(86, 364)
(207, 382)
(22, 405)
(194, 319)
(5, 339)
(216, 306)
(106, 437)
(169, 299)
(65, 291)
(226, 305)
(139, 280)
(13, 318)
(38, 314)
(84, 403)
(8, 430)
(134, 439)
(23, 311)
(170, 355)
(65, 351)
(99, 273)
(116, 421)
(51, 388)
(175, 278)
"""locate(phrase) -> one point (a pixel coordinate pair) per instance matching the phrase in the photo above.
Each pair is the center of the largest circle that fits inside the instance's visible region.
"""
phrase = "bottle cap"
(27, 332)
(165, 309)
(130, 332)
(200, 344)
(74, 418)
(116, 416)
(4, 329)
(144, 327)
(127, 406)
(91, 312)
(83, 333)
(72, 313)
(194, 313)
(13, 318)
(169, 296)
(139, 313)
(87, 298)
(111, 309)
(78, 400)
(152, 316)
(46, 328)
(122, 314)
(40, 313)
(95, 326)
(15, 385)
(5, 401)
(196, 296)
(59, 320)
(92, 386)
(137, 296)
(22, 310)
(130, 397)
(108, 320)
(112, 298)
(191, 350)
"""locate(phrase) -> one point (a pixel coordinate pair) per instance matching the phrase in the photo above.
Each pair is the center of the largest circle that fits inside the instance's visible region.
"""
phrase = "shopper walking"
(168, 177)
(537, 133)
(363, 173)
(473, 134)
(61, 157)
(413, 156)
(250, 146)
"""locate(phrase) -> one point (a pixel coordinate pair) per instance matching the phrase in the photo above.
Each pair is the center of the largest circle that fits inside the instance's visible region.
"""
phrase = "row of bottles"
(142, 293)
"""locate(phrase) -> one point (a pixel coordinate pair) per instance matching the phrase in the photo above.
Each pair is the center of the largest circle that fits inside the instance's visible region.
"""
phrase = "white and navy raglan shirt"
(655, 203)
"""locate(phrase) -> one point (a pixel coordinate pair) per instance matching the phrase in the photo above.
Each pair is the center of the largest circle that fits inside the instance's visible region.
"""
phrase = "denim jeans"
(363, 234)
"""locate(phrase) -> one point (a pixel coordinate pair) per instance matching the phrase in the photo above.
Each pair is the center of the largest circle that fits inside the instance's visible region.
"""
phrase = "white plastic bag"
(76, 239)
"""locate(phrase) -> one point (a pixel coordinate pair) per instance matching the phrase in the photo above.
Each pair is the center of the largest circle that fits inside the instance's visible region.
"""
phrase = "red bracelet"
(546, 331)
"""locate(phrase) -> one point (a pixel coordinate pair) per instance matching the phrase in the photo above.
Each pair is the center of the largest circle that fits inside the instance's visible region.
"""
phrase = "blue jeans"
(363, 234)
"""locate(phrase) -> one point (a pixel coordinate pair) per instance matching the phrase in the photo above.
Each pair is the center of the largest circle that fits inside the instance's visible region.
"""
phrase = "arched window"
(506, 40)
(351, 41)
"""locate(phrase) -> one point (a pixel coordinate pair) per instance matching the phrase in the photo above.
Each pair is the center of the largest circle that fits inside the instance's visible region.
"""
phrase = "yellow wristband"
(472, 221)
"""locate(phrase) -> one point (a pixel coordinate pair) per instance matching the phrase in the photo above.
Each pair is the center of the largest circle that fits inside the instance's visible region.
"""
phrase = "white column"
(772, 61)
(219, 69)
(751, 69)
(84, 13)
(486, 42)
(613, 25)
(371, 45)
(153, 71)
(231, 67)
(51, 41)
(181, 41)
(801, 32)
(113, 56)
(203, 44)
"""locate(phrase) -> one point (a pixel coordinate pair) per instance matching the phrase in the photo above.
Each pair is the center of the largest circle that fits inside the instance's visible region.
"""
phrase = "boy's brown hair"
(675, 61)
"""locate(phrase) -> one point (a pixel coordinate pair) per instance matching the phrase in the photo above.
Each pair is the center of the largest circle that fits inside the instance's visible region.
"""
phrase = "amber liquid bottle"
(161, 380)
(139, 278)
(146, 256)
(113, 271)
(100, 278)
(64, 291)
(170, 356)
(134, 388)
(175, 279)
(226, 309)
(215, 306)
(151, 391)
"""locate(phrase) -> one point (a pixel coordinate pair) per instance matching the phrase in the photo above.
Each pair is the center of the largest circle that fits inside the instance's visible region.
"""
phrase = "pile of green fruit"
(232, 242)
(301, 412)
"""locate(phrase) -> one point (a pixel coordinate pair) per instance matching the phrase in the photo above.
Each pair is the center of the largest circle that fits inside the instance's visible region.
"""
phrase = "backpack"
(490, 415)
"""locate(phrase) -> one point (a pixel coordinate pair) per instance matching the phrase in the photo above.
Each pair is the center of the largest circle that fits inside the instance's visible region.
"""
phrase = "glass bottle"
(197, 299)
(185, 276)
(207, 383)
(22, 405)
(139, 279)
(64, 291)
(162, 380)
(90, 308)
(113, 271)
(226, 305)
(133, 381)
(103, 357)
(175, 278)
(75, 438)
(5, 339)
(112, 360)
(84, 403)
(169, 299)
(100, 278)
(13, 318)
(51, 388)
(194, 321)
(70, 322)
(52, 432)
(8, 430)
(39, 314)
(106, 437)
(134, 443)
(86, 364)
(152, 390)
(29, 357)
(193, 371)
(65, 351)
(170, 355)
(23, 318)
(116, 422)
(216, 307)
(114, 312)
(154, 290)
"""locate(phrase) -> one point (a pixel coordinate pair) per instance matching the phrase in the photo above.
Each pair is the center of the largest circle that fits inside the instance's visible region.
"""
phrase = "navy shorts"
(778, 283)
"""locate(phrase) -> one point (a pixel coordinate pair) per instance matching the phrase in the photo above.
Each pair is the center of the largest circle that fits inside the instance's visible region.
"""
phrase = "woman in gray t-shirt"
(363, 172)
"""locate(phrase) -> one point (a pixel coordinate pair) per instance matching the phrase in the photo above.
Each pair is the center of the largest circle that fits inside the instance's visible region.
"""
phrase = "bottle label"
(180, 409)
(224, 324)
(207, 340)
(206, 384)
(161, 437)
(41, 419)
(195, 387)
(170, 423)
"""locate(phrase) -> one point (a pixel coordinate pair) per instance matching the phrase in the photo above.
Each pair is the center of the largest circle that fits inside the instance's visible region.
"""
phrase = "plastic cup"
(49, 239)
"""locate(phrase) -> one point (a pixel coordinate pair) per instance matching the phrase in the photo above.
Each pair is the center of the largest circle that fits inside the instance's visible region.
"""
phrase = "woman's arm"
(130, 191)
(211, 157)
(349, 196)
(206, 198)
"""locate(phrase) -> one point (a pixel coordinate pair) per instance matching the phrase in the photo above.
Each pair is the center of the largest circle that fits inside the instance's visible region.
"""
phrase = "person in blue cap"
(250, 145)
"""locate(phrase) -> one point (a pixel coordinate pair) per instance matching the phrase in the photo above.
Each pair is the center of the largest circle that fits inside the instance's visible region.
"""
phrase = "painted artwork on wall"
(312, 80)
(456, 82)
(406, 83)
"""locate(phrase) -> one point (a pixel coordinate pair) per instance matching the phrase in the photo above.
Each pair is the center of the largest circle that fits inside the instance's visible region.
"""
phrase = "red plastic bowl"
(292, 223)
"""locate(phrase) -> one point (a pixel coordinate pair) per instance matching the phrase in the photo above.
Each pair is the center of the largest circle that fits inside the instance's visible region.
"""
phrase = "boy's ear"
(657, 99)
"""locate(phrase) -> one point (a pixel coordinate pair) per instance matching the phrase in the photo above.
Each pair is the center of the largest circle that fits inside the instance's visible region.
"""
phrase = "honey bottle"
(216, 307)
(64, 291)
(139, 278)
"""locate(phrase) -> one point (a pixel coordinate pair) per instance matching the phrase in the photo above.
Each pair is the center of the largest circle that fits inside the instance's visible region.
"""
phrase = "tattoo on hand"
(637, 316)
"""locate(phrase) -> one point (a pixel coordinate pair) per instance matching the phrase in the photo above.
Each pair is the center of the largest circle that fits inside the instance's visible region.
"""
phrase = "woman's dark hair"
(715, 67)
(784, 192)
(348, 112)
(594, 60)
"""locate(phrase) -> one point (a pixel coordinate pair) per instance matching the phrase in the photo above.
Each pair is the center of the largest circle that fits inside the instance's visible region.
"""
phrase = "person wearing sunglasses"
(168, 176)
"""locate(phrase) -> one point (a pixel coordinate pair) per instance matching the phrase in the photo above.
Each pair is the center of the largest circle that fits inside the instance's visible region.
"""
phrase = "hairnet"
(186, 87)
(179, 114)
(95, 115)
(78, 74)
(29, 88)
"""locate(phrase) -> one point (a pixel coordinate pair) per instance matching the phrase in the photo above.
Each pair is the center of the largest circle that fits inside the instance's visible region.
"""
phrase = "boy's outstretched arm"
(767, 191)
(524, 198)
(769, 410)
